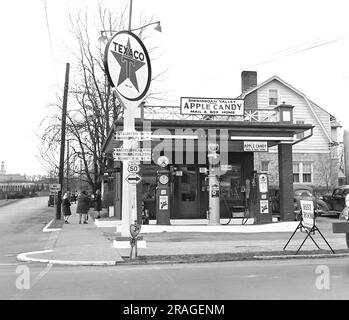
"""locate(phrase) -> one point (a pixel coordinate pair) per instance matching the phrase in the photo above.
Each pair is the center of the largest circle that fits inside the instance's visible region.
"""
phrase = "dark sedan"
(336, 201)
(300, 192)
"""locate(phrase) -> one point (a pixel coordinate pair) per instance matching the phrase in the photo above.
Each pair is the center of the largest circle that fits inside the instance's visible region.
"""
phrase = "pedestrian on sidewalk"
(98, 203)
(66, 207)
(73, 197)
(83, 206)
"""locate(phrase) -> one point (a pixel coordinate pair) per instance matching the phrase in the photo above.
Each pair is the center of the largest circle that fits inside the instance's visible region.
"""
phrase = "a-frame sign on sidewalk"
(308, 223)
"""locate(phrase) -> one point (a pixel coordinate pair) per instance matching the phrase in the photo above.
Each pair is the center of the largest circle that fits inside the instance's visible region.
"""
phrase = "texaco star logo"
(127, 65)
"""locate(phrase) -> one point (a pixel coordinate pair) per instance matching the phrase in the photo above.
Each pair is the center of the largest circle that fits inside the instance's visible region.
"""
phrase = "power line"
(305, 46)
(312, 45)
(50, 42)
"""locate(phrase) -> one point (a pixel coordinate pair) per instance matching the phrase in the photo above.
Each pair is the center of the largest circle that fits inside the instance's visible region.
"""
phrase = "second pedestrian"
(98, 203)
(66, 207)
(83, 206)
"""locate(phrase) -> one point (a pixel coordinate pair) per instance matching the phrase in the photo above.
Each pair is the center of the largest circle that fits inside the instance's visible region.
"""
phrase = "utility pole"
(61, 160)
(67, 165)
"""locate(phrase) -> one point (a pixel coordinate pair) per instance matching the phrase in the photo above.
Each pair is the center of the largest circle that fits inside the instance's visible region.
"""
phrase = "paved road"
(292, 279)
(20, 225)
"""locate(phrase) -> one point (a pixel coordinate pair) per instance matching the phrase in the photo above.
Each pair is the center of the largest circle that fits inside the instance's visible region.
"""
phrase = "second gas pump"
(163, 192)
(259, 198)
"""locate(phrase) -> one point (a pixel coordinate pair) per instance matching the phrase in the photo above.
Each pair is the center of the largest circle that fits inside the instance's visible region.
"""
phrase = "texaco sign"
(127, 65)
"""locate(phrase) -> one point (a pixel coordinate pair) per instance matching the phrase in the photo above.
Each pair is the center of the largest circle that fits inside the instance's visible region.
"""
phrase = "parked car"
(336, 201)
(300, 192)
(52, 200)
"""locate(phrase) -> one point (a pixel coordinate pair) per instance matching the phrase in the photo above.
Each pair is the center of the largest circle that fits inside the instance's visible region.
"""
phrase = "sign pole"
(128, 68)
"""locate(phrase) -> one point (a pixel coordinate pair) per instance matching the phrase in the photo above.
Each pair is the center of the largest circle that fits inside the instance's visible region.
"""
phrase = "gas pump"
(260, 198)
(163, 193)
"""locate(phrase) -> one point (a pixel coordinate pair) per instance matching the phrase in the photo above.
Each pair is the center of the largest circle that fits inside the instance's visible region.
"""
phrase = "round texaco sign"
(127, 65)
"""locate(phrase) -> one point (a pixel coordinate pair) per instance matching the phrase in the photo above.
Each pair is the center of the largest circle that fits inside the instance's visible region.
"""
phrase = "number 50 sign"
(133, 168)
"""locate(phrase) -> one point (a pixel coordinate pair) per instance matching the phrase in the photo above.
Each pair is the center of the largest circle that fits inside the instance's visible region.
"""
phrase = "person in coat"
(98, 203)
(83, 206)
(66, 207)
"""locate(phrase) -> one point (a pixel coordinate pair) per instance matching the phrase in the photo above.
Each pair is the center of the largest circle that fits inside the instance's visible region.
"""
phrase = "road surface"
(20, 231)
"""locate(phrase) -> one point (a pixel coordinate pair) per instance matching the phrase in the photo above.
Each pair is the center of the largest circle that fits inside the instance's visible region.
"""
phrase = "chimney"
(248, 80)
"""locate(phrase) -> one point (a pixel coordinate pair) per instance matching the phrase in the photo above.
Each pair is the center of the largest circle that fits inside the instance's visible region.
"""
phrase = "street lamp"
(103, 37)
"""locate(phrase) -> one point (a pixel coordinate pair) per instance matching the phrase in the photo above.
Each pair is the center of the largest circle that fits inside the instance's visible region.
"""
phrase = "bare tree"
(325, 168)
(93, 105)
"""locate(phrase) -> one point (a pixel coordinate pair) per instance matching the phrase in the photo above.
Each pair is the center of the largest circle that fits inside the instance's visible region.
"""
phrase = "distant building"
(12, 183)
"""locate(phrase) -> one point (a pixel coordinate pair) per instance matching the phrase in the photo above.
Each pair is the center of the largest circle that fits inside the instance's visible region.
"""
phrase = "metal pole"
(130, 16)
(67, 165)
(129, 192)
(61, 161)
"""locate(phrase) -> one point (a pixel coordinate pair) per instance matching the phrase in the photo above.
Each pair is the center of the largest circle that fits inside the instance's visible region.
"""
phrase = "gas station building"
(192, 186)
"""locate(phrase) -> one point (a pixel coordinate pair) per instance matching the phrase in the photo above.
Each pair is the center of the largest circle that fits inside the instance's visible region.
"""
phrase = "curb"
(46, 228)
(23, 257)
(303, 256)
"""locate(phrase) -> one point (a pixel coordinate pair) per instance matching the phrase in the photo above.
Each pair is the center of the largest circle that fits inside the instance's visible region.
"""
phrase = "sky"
(204, 46)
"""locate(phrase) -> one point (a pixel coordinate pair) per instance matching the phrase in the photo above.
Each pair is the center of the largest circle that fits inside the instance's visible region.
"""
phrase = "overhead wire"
(305, 46)
(51, 46)
(310, 46)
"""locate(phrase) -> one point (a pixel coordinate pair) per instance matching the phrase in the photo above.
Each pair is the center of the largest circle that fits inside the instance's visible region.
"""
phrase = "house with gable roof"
(315, 153)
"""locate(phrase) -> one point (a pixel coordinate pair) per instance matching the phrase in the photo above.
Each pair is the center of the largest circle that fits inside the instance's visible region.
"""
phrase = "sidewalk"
(79, 244)
(76, 244)
(231, 239)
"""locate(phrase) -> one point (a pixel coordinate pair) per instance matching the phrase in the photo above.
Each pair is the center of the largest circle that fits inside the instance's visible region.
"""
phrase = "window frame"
(267, 164)
(301, 172)
(277, 97)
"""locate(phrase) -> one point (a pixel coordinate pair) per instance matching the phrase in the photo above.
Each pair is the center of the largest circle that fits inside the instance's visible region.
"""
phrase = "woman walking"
(98, 203)
(83, 206)
(66, 207)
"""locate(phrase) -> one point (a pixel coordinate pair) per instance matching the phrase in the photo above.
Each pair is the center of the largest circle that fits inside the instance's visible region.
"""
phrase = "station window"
(273, 97)
(264, 166)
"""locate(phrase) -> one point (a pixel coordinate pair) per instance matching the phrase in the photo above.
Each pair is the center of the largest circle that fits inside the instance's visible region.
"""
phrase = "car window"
(345, 192)
(299, 193)
(337, 192)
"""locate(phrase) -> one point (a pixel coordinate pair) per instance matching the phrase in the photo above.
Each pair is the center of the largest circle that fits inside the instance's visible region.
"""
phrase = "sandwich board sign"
(308, 223)
(308, 215)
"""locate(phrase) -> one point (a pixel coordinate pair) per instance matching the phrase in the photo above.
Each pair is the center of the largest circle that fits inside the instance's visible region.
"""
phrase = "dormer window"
(273, 97)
